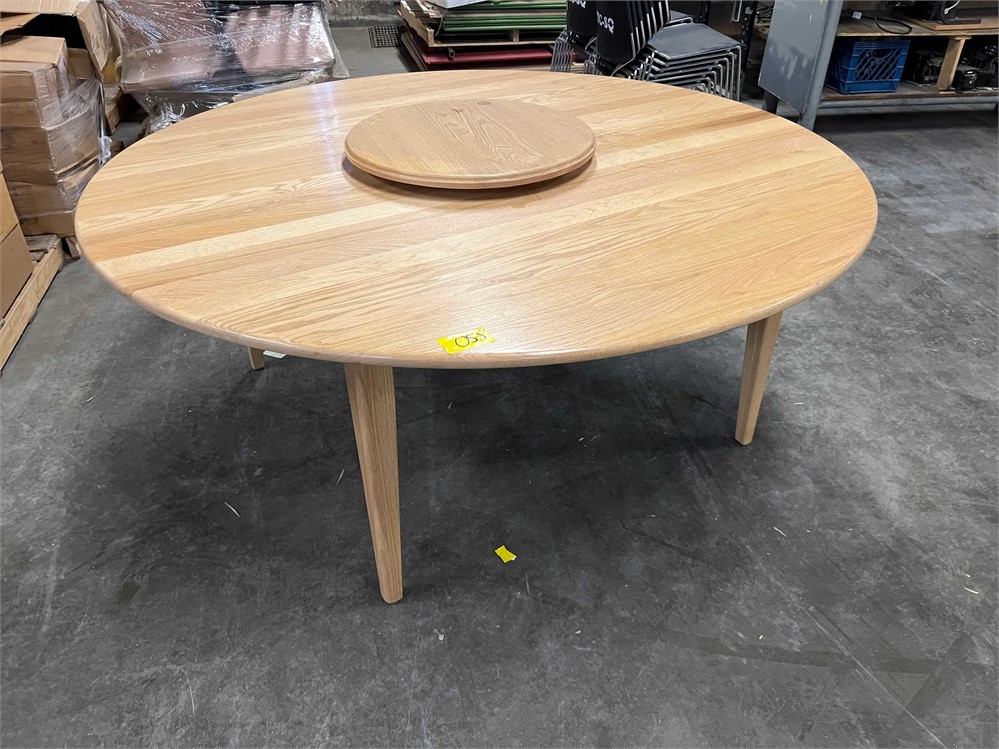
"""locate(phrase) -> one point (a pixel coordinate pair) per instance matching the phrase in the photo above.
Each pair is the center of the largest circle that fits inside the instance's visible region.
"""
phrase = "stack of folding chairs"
(690, 55)
(643, 41)
(578, 38)
(623, 28)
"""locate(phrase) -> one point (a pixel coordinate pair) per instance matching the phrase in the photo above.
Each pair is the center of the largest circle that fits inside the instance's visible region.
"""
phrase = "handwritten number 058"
(468, 339)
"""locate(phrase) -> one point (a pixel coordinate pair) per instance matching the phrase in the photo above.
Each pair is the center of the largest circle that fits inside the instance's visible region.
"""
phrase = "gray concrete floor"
(362, 60)
(833, 584)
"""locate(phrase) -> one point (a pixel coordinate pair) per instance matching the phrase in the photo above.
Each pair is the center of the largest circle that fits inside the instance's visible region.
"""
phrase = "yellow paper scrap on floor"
(505, 554)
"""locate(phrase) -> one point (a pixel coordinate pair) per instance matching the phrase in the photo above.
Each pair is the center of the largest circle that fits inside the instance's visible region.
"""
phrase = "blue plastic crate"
(867, 65)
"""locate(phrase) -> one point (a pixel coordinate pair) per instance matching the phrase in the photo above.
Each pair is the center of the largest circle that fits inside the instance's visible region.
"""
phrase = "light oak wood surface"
(695, 215)
(761, 337)
(867, 27)
(372, 407)
(469, 143)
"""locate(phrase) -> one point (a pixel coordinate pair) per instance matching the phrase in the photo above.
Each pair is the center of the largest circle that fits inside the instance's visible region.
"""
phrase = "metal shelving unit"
(800, 40)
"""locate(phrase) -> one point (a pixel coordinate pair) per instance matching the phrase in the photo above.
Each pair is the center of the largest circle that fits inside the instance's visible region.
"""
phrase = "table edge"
(481, 358)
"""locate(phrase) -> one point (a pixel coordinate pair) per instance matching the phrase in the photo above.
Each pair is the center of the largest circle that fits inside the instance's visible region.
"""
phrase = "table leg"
(256, 358)
(952, 57)
(760, 339)
(372, 406)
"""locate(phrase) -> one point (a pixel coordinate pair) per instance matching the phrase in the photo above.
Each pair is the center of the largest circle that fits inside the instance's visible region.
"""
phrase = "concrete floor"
(833, 584)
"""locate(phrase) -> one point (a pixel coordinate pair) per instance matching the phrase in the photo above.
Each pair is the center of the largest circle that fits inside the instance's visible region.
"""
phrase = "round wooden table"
(696, 215)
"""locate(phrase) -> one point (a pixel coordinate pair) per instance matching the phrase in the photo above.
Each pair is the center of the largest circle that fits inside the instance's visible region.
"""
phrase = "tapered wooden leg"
(256, 358)
(372, 407)
(760, 339)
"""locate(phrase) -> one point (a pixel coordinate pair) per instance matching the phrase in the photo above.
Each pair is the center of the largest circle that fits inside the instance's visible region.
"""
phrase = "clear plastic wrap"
(42, 110)
(48, 209)
(35, 68)
(68, 132)
(180, 57)
(52, 139)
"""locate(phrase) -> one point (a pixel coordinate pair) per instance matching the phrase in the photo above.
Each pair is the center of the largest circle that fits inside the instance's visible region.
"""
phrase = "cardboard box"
(42, 154)
(78, 61)
(24, 81)
(8, 216)
(41, 111)
(15, 267)
(81, 23)
(114, 106)
(34, 69)
(52, 223)
(31, 199)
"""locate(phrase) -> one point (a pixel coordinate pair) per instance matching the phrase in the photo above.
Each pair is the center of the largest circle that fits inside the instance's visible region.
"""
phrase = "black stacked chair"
(644, 41)
(578, 37)
(623, 29)
(693, 56)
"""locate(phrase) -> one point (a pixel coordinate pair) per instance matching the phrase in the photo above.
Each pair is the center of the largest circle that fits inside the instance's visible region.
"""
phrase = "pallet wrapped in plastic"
(180, 57)
(49, 209)
(47, 140)
(51, 147)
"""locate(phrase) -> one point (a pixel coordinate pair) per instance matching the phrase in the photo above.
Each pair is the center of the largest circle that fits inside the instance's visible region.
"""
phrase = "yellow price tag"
(455, 344)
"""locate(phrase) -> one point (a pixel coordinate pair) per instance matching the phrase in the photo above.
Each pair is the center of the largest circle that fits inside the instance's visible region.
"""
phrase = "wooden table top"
(696, 215)
(471, 144)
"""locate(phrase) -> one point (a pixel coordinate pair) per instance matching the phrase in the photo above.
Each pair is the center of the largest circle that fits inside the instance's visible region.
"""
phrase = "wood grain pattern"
(986, 27)
(469, 144)
(867, 27)
(372, 407)
(952, 57)
(761, 337)
(696, 215)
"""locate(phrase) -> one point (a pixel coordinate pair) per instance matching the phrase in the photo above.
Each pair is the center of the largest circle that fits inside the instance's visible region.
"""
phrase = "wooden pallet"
(46, 251)
(423, 24)
(72, 248)
(411, 45)
(466, 59)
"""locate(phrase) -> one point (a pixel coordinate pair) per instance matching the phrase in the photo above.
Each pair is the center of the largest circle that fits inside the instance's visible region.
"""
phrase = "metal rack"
(800, 40)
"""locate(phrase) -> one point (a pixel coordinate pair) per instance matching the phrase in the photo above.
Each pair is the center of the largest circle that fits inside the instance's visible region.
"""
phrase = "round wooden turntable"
(470, 143)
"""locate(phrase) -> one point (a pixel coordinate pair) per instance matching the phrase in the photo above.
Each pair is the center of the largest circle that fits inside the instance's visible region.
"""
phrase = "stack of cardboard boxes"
(50, 129)
(52, 113)
(15, 261)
